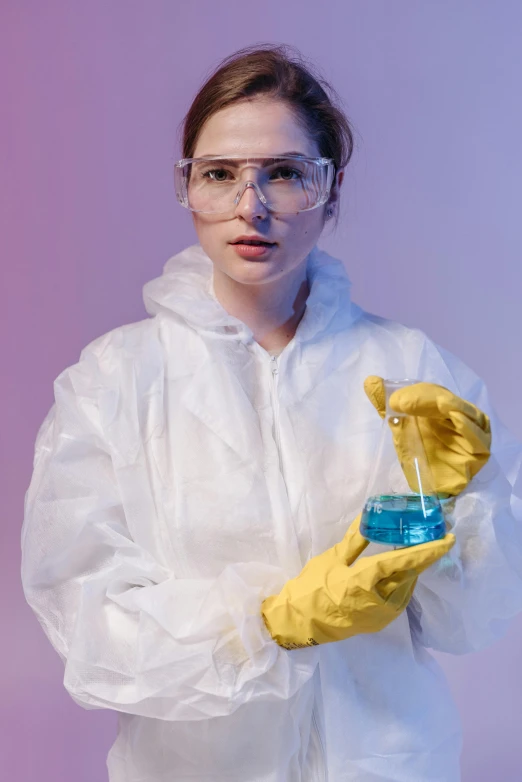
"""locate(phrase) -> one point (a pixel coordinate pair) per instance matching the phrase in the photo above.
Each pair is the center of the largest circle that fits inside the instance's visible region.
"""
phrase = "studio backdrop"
(92, 97)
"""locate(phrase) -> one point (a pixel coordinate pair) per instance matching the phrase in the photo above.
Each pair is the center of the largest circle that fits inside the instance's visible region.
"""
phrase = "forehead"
(254, 127)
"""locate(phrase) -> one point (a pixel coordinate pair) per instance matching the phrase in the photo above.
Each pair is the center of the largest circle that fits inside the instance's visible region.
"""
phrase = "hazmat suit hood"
(185, 291)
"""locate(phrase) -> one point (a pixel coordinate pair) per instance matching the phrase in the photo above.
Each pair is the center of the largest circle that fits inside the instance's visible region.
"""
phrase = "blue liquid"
(402, 519)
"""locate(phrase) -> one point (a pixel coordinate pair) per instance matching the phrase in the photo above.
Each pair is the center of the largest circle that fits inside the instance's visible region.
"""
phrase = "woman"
(191, 539)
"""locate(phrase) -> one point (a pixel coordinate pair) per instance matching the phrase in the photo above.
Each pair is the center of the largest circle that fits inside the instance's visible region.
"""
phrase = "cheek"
(208, 231)
(307, 229)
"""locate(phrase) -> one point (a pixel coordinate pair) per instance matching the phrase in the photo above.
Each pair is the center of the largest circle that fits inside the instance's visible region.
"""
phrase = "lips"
(253, 239)
(252, 252)
(254, 244)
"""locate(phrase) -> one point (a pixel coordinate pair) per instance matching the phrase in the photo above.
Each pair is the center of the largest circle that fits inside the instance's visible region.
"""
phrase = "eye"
(212, 173)
(286, 170)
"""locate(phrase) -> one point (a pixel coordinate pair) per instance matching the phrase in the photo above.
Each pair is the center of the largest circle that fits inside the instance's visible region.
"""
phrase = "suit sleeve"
(466, 601)
(133, 637)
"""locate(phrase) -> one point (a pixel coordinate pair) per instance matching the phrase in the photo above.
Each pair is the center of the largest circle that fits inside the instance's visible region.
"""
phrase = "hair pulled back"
(278, 72)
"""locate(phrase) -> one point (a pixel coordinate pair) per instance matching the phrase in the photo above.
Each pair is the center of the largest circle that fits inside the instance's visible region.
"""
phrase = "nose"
(250, 205)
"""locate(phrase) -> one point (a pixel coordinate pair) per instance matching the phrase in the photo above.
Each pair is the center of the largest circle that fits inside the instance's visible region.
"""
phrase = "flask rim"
(405, 381)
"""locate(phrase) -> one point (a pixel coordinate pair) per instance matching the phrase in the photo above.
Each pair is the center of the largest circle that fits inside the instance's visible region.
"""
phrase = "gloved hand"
(335, 597)
(455, 433)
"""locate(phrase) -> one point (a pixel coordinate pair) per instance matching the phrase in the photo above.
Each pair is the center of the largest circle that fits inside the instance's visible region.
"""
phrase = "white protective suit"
(183, 474)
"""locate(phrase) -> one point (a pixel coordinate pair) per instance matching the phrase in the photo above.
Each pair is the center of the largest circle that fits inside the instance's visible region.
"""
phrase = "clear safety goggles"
(215, 184)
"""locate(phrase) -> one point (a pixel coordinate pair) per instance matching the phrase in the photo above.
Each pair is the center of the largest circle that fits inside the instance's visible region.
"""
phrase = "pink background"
(431, 235)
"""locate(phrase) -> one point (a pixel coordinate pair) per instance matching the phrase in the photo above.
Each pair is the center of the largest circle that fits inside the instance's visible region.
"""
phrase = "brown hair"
(271, 71)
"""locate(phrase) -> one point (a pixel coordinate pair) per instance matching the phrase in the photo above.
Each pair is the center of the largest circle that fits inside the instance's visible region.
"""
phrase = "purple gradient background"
(431, 235)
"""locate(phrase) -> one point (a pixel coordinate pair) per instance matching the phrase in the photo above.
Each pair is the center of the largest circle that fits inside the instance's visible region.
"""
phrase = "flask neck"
(393, 385)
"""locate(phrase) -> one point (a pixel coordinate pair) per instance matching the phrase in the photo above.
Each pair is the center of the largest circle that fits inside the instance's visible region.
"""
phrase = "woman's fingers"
(473, 439)
(434, 401)
(374, 390)
(353, 543)
(411, 560)
(398, 588)
(424, 399)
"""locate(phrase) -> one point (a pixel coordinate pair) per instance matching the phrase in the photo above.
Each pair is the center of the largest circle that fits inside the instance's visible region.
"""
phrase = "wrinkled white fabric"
(178, 482)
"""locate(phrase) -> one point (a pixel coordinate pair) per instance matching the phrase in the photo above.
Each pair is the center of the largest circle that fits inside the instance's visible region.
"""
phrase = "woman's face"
(257, 127)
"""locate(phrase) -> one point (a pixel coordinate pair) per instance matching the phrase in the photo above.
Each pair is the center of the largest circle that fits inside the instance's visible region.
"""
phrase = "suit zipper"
(275, 373)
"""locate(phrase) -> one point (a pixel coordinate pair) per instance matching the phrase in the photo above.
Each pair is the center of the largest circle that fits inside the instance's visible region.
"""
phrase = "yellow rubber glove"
(334, 597)
(455, 433)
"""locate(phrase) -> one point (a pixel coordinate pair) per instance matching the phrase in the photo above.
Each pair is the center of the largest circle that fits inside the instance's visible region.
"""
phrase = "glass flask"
(402, 507)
